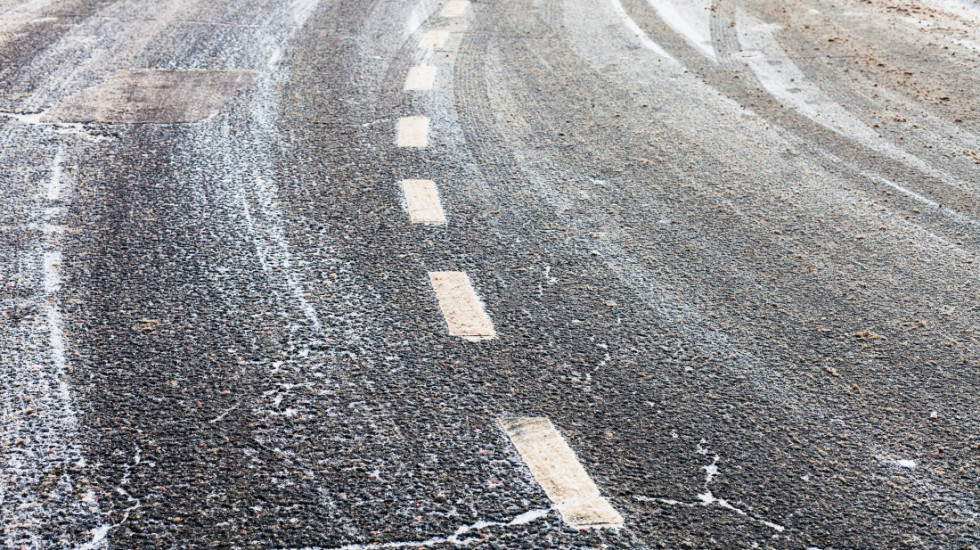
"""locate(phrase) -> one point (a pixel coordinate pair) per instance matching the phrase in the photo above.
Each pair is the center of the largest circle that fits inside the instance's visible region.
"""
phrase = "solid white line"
(422, 199)
(461, 307)
(455, 8)
(558, 471)
(52, 280)
(413, 131)
(434, 40)
(52, 283)
(54, 184)
(421, 77)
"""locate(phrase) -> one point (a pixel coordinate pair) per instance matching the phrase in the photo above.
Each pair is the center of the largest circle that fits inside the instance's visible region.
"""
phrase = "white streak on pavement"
(454, 539)
(54, 182)
(254, 187)
(905, 463)
(689, 18)
(454, 8)
(271, 245)
(707, 498)
(560, 474)
(52, 282)
(22, 14)
(787, 83)
(36, 405)
(635, 29)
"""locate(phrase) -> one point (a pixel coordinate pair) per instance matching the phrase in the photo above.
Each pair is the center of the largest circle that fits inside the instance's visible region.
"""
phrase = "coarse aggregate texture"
(737, 275)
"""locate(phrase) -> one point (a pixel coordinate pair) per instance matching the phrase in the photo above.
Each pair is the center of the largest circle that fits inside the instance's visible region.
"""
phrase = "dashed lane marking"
(461, 307)
(413, 131)
(420, 78)
(422, 198)
(434, 39)
(455, 8)
(556, 468)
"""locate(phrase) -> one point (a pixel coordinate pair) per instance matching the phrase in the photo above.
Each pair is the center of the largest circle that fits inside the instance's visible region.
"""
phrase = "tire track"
(535, 169)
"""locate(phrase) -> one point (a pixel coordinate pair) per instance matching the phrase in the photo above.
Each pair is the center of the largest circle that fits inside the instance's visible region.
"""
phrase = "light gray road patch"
(153, 97)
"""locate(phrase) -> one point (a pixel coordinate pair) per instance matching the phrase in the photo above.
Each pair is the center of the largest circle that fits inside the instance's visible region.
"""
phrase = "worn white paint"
(51, 263)
(560, 474)
(455, 8)
(421, 77)
(461, 307)
(436, 40)
(422, 200)
(413, 132)
(54, 182)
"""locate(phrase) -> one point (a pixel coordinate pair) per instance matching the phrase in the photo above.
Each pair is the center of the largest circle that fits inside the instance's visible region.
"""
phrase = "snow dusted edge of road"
(45, 501)
(43, 483)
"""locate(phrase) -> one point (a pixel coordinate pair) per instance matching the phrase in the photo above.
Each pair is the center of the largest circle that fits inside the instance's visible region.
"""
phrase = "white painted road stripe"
(423, 202)
(434, 39)
(460, 306)
(413, 131)
(420, 78)
(455, 8)
(54, 184)
(555, 467)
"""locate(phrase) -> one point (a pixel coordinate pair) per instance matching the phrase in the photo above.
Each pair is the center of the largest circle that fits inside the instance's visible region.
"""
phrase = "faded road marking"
(460, 306)
(423, 202)
(150, 96)
(54, 183)
(420, 78)
(455, 8)
(558, 471)
(413, 131)
(434, 39)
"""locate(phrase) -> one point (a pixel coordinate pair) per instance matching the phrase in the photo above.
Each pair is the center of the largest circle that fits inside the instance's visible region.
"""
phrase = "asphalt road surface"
(317, 274)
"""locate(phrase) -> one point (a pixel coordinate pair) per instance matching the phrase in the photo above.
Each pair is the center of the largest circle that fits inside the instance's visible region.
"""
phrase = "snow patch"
(905, 463)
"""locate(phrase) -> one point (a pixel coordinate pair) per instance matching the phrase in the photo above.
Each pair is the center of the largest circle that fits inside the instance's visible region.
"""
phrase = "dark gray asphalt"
(738, 275)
